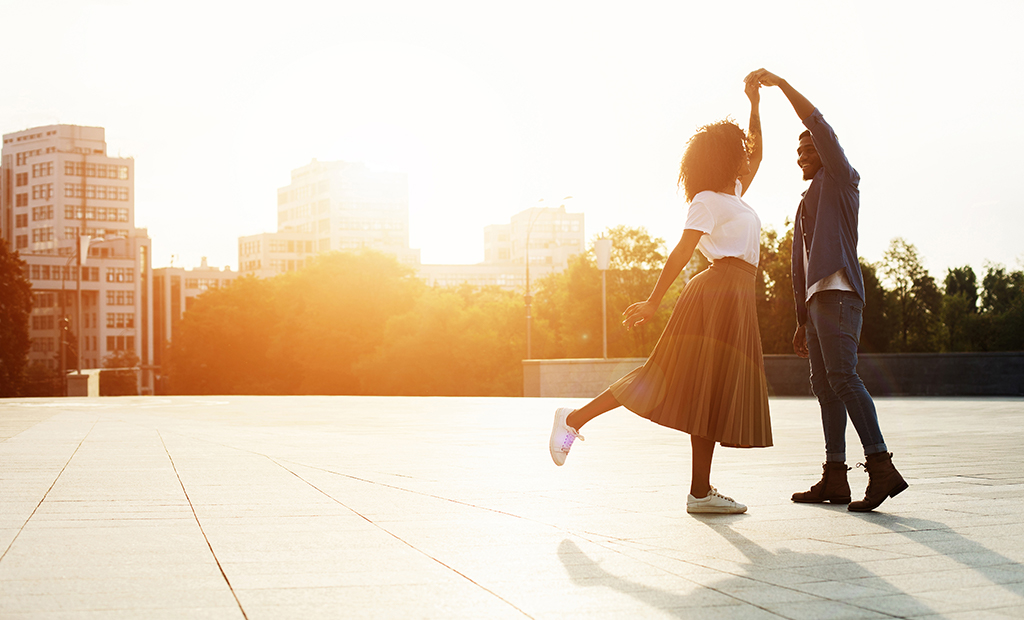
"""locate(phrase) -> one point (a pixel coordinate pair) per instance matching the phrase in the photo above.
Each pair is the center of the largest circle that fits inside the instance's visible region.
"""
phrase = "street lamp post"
(603, 249)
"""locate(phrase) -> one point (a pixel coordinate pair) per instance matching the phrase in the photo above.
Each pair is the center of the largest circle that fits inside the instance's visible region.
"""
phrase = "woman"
(706, 374)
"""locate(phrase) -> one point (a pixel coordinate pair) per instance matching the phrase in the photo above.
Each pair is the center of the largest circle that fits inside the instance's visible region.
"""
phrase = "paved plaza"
(361, 507)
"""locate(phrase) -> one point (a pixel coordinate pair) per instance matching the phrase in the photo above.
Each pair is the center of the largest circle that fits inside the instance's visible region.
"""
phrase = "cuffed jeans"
(834, 320)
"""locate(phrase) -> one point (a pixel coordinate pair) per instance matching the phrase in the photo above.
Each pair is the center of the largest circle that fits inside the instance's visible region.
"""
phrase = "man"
(829, 290)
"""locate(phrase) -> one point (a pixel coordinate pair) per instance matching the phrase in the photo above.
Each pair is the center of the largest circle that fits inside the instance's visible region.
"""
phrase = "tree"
(122, 382)
(334, 314)
(569, 303)
(1000, 289)
(916, 299)
(960, 310)
(222, 343)
(299, 333)
(776, 309)
(15, 308)
(1002, 305)
(877, 326)
(453, 342)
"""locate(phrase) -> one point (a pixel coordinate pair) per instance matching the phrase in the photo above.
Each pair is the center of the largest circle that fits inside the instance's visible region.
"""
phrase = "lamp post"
(528, 298)
(603, 249)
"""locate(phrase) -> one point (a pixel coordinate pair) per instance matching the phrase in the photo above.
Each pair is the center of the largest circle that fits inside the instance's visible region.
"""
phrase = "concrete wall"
(888, 374)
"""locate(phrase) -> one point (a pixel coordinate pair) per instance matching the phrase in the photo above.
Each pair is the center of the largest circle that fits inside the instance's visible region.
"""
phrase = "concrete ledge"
(85, 384)
(884, 374)
(574, 378)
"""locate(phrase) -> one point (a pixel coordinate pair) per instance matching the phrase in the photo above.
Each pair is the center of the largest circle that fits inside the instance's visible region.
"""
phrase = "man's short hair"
(805, 134)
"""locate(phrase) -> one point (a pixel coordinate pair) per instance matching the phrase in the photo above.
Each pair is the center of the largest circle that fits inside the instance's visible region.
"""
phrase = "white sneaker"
(714, 502)
(562, 436)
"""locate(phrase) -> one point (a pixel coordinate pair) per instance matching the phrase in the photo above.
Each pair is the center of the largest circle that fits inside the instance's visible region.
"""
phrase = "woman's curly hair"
(712, 158)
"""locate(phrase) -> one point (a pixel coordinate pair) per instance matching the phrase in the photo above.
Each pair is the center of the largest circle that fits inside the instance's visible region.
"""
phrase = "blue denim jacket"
(829, 210)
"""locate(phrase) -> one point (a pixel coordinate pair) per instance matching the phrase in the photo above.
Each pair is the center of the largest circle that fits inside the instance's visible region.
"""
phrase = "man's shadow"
(943, 540)
(742, 589)
(997, 568)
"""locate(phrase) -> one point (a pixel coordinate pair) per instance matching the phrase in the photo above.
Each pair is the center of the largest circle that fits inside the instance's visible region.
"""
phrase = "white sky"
(490, 107)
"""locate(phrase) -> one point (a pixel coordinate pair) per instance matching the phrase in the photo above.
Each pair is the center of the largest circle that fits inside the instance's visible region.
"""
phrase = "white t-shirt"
(730, 226)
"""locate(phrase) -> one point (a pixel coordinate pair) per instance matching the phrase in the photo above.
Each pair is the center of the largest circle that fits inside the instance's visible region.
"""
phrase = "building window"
(44, 169)
(20, 242)
(21, 179)
(21, 200)
(42, 213)
(21, 220)
(42, 192)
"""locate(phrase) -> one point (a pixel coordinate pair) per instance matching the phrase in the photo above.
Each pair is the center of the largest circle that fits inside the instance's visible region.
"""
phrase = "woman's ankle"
(700, 491)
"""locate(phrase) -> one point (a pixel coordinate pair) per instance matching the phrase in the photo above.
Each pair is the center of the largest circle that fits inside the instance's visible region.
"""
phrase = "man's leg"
(833, 410)
(838, 317)
(833, 486)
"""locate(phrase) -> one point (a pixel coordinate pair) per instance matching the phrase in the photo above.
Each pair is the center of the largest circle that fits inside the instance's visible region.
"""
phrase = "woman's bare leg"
(700, 477)
(604, 402)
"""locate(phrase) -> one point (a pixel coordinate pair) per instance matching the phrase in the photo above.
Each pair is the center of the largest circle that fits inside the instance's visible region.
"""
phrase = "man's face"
(807, 158)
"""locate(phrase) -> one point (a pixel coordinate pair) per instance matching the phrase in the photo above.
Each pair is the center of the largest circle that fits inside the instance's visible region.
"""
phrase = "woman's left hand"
(752, 87)
(638, 313)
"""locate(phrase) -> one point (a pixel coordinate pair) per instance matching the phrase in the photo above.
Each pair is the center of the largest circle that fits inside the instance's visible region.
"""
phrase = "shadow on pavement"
(745, 589)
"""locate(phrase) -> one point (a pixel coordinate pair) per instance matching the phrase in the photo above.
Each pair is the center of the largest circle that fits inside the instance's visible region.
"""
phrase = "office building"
(337, 206)
(68, 208)
(543, 237)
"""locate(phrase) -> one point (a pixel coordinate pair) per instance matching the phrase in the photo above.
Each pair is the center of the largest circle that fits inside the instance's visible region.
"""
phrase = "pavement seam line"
(402, 540)
(585, 535)
(52, 484)
(201, 530)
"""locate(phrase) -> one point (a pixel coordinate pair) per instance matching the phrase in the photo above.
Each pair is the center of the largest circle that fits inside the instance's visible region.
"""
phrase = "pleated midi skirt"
(706, 374)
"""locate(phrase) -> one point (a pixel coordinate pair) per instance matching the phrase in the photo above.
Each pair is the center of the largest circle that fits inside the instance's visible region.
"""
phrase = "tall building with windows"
(543, 236)
(68, 208)
(337, 206)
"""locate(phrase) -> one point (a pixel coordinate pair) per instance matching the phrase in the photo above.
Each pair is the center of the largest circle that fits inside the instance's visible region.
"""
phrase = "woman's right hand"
(639, 313)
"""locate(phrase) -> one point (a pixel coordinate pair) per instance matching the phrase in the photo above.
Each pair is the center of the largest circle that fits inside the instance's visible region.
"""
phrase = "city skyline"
(490, 110)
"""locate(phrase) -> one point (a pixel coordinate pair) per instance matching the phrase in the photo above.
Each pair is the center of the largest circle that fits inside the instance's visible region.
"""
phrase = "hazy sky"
(490, 107)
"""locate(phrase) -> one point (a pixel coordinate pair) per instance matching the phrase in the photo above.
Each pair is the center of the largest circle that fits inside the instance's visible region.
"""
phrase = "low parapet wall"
(884, 374)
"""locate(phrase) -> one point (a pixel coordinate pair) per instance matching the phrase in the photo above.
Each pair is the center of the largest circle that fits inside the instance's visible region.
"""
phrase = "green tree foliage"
(301, 333)
(41, 380)
(222, 343)
(960, 315)
(1002, 305)
(569, 303)
(776, 310)
(916, 300)
(122, 382)
(335, 312)
(15, 308)
(876, 329)
(363, 324)
(453, 342)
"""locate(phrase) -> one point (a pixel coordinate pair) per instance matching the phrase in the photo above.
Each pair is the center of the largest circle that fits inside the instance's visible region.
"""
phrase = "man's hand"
(765, 78)
(800, 342)
(801, 105)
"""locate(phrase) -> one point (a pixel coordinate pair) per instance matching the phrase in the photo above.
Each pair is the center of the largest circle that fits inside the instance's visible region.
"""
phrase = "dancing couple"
(705, 376)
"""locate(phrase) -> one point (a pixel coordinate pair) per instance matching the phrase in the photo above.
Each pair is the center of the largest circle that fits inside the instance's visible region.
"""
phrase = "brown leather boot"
(833, 486)
(883, 481)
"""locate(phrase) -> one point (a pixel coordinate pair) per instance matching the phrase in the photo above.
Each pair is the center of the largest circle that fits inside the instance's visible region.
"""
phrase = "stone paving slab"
(363, 507)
